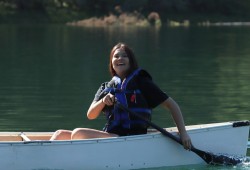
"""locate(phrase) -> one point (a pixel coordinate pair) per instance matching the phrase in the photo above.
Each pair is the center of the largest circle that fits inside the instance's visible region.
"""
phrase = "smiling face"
(120, 63)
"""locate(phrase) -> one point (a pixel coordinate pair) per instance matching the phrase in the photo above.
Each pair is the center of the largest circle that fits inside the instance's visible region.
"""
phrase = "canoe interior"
(17, 136)
(30, 136)
(26, 136)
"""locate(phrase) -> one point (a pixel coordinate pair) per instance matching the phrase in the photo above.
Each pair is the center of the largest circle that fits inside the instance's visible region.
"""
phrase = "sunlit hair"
(130, 54)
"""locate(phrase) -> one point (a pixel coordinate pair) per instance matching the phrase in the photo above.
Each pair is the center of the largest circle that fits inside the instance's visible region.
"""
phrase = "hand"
(109, 99)
(186, 141)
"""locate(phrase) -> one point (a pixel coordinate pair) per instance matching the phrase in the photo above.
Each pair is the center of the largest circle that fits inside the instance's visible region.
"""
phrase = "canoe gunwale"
(194, 129)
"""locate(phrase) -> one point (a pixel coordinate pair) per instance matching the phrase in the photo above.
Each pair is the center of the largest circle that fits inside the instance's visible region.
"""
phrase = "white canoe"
(130, 152)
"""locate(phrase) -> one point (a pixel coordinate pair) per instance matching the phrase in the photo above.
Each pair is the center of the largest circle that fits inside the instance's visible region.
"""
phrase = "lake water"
(50, 73)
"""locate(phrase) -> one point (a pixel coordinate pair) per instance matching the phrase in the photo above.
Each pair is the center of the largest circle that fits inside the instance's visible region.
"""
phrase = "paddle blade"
(224, 160)
(214, 159)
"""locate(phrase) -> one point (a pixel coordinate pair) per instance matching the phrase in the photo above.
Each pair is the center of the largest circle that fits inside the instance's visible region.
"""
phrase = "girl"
(133, 87)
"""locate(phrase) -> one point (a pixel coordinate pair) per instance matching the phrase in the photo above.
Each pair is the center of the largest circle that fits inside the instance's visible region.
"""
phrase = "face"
(120, 63)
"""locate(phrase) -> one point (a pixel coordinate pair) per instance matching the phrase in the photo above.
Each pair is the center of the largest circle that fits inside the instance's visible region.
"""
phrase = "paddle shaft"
(164, 132)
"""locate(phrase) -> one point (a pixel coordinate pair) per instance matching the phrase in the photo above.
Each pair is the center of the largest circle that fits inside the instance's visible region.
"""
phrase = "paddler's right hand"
(109, 99)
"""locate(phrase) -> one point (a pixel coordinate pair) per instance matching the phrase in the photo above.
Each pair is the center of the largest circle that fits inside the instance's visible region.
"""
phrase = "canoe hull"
(131, 152)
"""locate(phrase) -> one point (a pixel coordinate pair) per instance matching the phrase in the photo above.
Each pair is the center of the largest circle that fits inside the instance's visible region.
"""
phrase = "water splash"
(246, 163)
(227, 160)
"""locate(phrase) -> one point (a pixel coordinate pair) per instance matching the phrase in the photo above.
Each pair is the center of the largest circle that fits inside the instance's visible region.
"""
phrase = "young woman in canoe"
(132, 87)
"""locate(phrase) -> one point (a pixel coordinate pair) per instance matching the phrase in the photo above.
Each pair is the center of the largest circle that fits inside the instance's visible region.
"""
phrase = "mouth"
(120, 64)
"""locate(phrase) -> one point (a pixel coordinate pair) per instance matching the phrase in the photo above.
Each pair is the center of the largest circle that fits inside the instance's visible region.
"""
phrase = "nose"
(120, 57)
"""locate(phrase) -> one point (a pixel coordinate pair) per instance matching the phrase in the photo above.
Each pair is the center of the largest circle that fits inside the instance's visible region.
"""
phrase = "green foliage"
(65, 10)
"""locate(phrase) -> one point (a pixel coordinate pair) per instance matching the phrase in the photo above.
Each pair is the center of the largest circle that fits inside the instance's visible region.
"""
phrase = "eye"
(120, 55)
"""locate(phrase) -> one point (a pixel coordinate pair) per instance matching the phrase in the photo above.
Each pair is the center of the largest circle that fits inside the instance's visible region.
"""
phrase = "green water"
(50, 73)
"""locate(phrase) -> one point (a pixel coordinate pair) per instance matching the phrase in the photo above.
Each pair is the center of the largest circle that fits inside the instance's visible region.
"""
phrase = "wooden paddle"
(208, 157)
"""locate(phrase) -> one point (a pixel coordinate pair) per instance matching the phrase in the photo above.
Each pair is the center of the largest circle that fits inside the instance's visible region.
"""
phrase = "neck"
(122, 76)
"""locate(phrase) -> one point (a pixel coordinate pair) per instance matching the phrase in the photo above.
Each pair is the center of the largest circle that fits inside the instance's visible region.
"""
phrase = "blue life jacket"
(130, 96)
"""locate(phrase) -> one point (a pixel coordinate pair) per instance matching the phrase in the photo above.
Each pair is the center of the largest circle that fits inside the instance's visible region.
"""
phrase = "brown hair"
(132, 60)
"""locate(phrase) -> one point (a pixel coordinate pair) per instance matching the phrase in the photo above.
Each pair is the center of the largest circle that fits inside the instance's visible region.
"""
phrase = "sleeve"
(99, 94)
(153, 94)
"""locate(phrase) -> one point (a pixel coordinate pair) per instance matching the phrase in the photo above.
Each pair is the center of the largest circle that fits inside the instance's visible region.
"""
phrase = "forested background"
(61, 11)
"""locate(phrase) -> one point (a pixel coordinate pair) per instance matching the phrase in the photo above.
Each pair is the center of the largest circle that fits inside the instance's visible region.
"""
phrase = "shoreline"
(132, 19)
